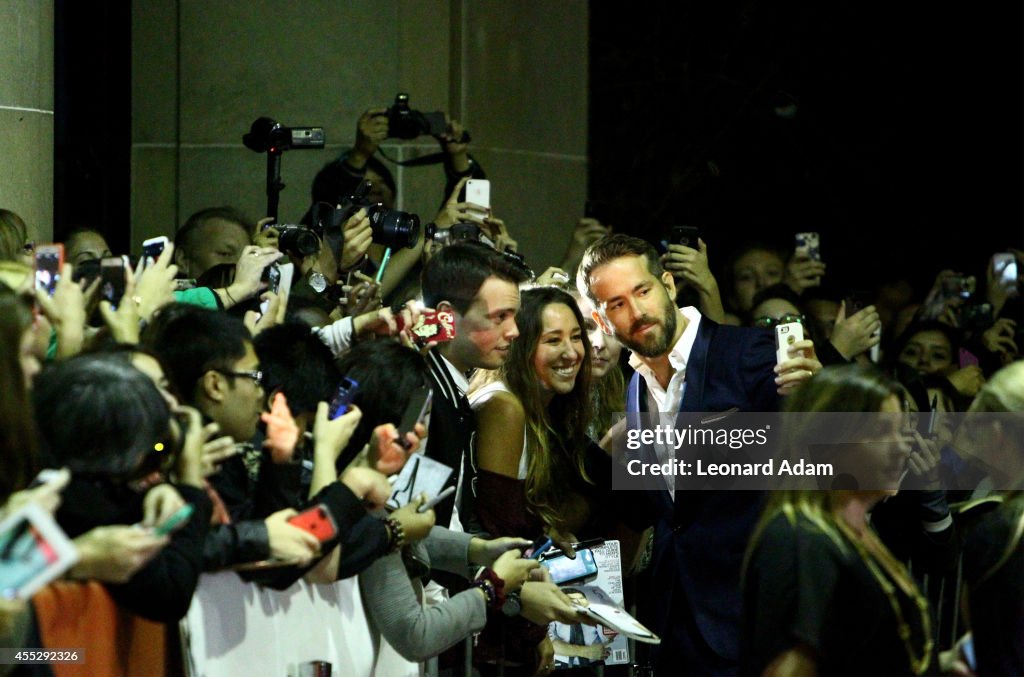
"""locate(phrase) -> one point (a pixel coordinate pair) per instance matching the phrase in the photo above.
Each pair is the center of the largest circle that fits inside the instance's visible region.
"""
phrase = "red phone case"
(317, 521)
(432, 325)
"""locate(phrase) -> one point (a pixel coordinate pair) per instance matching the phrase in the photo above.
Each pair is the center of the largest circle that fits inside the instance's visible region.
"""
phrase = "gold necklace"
(918, 664)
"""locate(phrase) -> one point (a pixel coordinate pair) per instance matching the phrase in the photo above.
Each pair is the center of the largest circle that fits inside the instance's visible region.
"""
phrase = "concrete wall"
(515, 73)
(26, 113)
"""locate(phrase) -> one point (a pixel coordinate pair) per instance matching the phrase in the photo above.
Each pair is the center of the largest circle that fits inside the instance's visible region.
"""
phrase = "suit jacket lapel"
(696, 367)
(638, 390)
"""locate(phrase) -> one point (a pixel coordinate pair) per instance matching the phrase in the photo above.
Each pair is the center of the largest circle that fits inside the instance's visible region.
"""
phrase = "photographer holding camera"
(341, 178)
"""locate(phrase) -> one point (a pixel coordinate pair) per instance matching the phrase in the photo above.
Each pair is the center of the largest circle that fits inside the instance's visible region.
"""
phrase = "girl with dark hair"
(108, 423)
(18, 366)
(822, 594)
(532, 423)
(537, 471)
(932, 349)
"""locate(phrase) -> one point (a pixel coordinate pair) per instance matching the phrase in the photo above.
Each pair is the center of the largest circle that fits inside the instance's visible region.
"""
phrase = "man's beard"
(651, 345)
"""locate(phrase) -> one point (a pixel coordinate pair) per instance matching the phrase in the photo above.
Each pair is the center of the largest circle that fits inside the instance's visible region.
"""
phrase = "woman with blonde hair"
(994, 550)
(822, 594)
(14, 243)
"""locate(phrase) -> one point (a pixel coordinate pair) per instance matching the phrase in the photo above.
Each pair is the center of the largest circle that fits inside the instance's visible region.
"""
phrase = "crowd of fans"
(201, 386)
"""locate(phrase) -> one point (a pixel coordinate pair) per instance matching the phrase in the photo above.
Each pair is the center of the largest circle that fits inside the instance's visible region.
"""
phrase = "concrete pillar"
(26, 113)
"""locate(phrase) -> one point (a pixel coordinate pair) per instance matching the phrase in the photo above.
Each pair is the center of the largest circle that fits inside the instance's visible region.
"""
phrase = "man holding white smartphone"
(687, 362)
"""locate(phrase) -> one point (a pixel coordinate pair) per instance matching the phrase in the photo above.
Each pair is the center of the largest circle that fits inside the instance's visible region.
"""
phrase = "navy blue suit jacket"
(693, 600)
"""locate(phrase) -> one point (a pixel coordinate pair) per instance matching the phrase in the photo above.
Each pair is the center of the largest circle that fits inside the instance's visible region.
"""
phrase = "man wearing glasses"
(210, 362)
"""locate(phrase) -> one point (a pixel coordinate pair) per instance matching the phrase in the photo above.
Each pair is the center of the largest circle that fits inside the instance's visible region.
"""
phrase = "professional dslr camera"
(296, 240)
(301, 240)
(391, 228)
(406, 123)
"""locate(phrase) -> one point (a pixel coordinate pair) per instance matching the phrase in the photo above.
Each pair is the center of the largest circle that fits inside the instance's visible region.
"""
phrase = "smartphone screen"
(49, 259)
(153, 248)
(564, 570)
(809, 244)
(343, 399)
(112, 280)
(1004, 265)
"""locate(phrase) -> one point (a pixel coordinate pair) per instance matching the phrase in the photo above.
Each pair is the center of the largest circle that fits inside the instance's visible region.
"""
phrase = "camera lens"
(299, 241)
(394, 229)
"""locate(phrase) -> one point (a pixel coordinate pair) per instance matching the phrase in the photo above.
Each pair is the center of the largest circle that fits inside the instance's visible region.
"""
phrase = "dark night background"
(905, 151)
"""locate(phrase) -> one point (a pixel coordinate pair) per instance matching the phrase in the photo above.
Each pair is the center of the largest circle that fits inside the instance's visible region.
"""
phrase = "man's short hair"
(190, 341)
(456, 273)
(184, 238)
(298, 364)
(612, 247)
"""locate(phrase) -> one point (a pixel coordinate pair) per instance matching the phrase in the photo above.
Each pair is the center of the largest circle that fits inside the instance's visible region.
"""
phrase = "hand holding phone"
(785, 336)
(317, 521)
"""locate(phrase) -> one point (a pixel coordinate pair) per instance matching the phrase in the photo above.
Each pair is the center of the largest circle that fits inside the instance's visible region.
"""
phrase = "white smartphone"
(478, 192)
(785, 336)
(153, 247)
(34, 550)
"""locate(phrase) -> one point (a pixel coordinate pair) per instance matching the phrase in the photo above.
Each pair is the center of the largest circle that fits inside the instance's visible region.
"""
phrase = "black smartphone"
(112, 280)
(415, 412)
(857, 301)
(685, 235)
(272, 276)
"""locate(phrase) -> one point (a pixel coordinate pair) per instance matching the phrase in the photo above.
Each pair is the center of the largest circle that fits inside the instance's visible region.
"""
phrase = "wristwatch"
(513, 606)
(317, 281)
